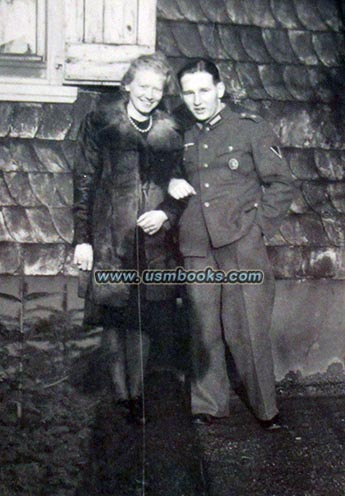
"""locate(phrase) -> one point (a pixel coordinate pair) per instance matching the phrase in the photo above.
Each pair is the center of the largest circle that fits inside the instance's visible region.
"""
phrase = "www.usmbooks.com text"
(179, 276)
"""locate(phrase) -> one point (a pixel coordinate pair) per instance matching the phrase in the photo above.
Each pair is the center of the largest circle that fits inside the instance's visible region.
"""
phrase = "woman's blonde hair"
(156, 62)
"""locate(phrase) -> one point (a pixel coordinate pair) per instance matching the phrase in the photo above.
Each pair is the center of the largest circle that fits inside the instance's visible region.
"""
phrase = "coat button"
(207, 128)
(205, 146)
(233, 163)
(256, 205)
(206, 204)
(230, 148)
(206, 185)
(205, 165)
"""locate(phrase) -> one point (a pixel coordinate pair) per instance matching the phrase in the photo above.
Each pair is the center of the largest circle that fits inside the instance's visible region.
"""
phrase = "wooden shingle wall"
(36, 194)
(284, 59)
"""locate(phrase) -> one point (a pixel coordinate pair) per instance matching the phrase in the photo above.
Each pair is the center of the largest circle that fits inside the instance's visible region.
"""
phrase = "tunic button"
(206, 204)
(230, 148)
(205, 165)
(207, 128)
(233, 163)
(256, 205)
(206, 185)
(205, 145)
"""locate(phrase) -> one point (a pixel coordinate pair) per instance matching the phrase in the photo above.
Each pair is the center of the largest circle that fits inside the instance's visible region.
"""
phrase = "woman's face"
(145, 91)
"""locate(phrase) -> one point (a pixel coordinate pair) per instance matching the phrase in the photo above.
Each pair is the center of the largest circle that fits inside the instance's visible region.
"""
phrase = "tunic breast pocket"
(235, 161)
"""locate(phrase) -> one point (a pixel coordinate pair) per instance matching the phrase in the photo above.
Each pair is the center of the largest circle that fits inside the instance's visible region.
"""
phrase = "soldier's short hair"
(200, 65)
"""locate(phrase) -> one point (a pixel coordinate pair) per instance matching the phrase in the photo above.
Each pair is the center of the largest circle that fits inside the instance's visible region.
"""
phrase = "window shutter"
(103, 36)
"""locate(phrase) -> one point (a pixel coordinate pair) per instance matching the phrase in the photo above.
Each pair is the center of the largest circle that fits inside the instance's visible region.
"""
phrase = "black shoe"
(203, 419)
(272, 425)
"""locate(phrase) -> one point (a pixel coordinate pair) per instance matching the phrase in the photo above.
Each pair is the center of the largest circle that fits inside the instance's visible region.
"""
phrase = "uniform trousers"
(237, 316)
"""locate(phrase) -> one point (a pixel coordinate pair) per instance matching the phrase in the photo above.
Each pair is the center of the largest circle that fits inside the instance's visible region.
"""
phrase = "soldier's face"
(201, 94)
(145, 91)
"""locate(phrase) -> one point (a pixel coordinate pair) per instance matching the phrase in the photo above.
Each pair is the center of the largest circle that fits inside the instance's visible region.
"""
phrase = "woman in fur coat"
(126, 153)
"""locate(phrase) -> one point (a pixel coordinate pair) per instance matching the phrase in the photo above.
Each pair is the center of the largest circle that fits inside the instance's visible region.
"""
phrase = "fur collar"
(113, 124)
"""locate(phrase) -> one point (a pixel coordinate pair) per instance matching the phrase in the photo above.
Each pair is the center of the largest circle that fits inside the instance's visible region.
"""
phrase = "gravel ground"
(62, 435)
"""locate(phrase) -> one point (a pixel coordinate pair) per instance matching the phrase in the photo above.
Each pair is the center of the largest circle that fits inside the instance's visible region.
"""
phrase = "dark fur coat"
(118, 175)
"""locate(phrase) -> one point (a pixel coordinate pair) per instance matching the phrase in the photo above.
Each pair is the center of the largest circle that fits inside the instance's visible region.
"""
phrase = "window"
(47, 47)
(31, 51)
(22, 37)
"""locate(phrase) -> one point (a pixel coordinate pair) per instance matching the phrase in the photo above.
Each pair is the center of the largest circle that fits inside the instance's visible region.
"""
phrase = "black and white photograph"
(172, 247)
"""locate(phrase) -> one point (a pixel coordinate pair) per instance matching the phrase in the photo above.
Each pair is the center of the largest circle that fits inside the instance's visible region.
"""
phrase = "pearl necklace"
(138, 128)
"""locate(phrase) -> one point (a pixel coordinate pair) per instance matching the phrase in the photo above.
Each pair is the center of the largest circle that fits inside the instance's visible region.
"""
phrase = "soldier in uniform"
(239, 189)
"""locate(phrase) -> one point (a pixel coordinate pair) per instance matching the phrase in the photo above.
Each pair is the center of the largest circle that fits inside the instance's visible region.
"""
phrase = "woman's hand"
(83, 256)
(151, 222)
(180, 188)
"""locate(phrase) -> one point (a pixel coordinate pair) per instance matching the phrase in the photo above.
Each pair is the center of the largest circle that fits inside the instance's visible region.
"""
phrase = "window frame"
(70, 62)
(40, 35)
(47, 84)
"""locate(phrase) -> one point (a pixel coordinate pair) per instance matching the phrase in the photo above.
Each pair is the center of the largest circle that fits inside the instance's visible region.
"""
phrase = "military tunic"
(243, 188)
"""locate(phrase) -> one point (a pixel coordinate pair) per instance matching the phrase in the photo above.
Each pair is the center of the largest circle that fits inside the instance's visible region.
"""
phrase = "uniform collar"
(224, 114)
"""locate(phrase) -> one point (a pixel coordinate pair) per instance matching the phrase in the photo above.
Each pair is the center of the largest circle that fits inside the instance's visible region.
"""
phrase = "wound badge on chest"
(233, 164)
